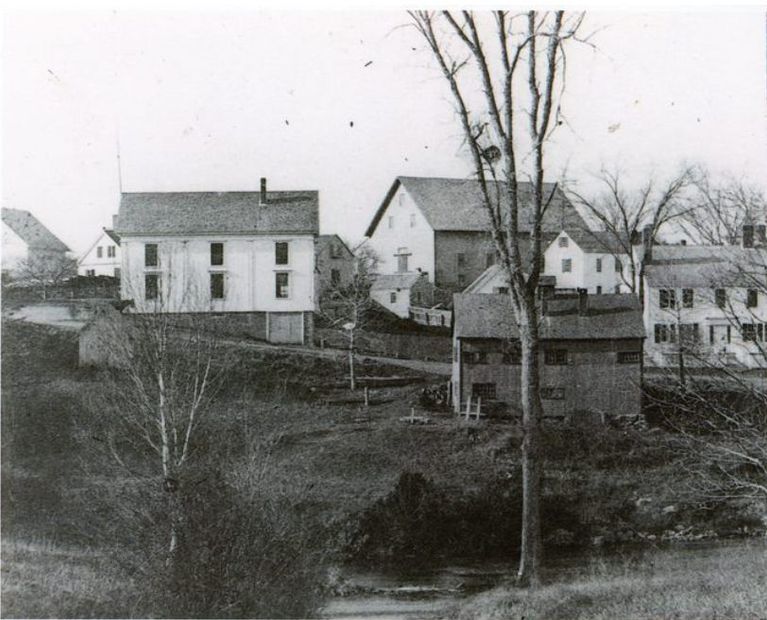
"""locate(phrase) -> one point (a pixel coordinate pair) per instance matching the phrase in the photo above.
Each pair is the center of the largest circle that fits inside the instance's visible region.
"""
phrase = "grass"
(44, 580)
(678, 583)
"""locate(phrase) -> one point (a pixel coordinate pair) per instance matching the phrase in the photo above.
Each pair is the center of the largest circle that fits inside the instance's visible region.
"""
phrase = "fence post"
(479, 406)
(412, 415)
(468, 406)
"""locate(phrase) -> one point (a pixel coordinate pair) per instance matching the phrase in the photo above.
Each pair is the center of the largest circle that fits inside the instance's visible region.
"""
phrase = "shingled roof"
(597, 241)
(395, 281)
(608, 317)
(456, 205)
(693, 266)
(31, 231)
(194, 213)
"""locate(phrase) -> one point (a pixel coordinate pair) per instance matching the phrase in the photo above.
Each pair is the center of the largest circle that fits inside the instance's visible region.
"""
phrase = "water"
(434, 592)
(67, 316)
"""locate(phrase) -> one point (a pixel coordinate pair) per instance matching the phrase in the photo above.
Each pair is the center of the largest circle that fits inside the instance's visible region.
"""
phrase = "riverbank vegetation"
(284, 475)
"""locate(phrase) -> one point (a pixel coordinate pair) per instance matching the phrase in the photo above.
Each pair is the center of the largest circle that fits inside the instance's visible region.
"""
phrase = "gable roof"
(31, 231)
(218, 212)
(596, 241)
(395, 281)
(112, 235)
(705, 266)
(609, 317)
(494, 272)
(325, 240)
(456, 205)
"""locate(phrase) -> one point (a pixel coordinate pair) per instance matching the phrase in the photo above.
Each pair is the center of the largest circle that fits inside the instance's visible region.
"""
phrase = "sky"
(342, 102)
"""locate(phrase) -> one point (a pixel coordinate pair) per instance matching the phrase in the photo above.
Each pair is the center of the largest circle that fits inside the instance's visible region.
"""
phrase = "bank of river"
(436, 591)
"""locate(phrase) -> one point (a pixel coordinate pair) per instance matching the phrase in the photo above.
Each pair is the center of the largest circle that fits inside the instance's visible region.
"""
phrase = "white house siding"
(400, 307)
(249, 268)
(415, 235)
(14, 249)
(584, 270)
(706, 314)
(104, 265)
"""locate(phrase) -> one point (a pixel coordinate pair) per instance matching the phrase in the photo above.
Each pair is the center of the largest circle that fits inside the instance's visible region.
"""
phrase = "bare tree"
(628, 215)
(517, 63)
(347, 304)
(44, 271)
(720, 208)
(168, 369)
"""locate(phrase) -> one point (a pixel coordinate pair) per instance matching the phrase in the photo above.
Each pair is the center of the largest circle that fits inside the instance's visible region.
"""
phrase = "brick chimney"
(748, 236)
(647, 243)
(583, 301)
(262, 198)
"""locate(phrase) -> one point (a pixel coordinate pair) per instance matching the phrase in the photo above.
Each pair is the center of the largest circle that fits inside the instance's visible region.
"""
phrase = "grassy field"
(330, 470)
(719, 583)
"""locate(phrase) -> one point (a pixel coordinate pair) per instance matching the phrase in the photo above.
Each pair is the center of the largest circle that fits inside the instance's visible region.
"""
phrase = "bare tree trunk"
(352, 379)
(532, 413)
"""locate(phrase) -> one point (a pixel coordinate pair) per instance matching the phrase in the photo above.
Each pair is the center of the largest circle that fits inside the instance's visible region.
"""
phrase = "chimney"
(647, 242)
(262, 199)
(748, 236)
(583, 301)
(761, 234)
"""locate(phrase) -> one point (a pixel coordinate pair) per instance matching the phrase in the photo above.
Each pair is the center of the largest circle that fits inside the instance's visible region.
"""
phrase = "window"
(335, 250)
(90, 272)
(150, 255)
(711, 334)
(281, 252)
(402, 262)
(555, 357)
(667, 298)
(599, 265)
(501, 290)
(412, 220)
(687, 298)
(392, 298)
(599, 290)
(476, 357)
(553, 393)
(216, 254)
(749, 332)
(617, 289)
(485, 391)
(629, 357)
(111, 251)
(419, 298)
(564, 242)
(391, 221)
(720, 296)
(512, 355)
(151, 286)
(489, 259)
(567, 264)
(335, 277)
(99, 252)
(618, 265)
(460, 259)
(665, 333)
(461, 279)
(752, 298)
(117, 272)
(688, 333)
(282, 285)
(217, 286)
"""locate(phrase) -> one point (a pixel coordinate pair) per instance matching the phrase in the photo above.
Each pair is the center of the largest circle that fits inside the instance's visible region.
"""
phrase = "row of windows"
(689, 333)
(111, 251)
(552, 357)
(92, 272)
(667, 298)
(152, 285)
(281, 254)
(567, 265)
(487, 391)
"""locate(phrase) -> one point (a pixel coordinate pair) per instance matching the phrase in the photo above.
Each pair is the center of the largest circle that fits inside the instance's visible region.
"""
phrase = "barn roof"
(32, 231)
(608, 317)
(192, 213)
(457, 205)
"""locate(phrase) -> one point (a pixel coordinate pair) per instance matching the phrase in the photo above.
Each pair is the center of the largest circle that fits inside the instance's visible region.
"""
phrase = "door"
(286, 327)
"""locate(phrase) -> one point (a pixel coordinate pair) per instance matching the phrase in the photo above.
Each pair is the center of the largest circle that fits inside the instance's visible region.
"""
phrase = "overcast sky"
(342, 103)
